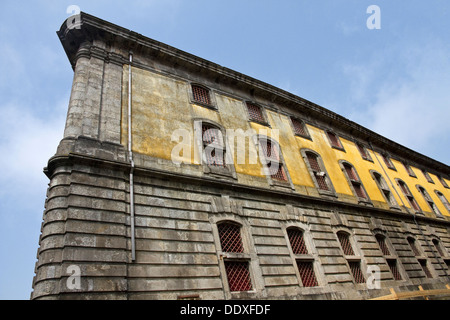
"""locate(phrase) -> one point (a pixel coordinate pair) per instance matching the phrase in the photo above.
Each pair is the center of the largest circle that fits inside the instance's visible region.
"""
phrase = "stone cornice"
(91, 28)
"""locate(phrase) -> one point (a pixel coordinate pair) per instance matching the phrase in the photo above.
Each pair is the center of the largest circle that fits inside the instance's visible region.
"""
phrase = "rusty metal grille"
(413, 203)
(355, 267)
(211, 135)
(238, 276)
(230, 237)
(299, 127)
(404, 188)
(279, 174)
(319, 175)
(334, 140)
(351, 173)
(359, 190)
(313, 162)
(438, 247)
(346, 246)
(306, 270)
(321, 181)
(201, 95)
(382, 243)
(363, 151)
(297, 242)
(423, 264)
(270, 151)
(213, 146)
(255, 112)
(412, 244)
(392, 263)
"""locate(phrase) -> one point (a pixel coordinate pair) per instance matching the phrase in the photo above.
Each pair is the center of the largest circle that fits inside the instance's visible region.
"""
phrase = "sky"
(393, 80)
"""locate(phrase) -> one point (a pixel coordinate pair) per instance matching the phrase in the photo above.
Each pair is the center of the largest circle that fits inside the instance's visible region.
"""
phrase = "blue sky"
(394, 81)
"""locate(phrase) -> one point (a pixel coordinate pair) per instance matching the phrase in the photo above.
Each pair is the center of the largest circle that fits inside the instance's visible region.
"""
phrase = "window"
(420, 258)
(384, 188)
(364, 152)
(409, 170)
(335, 142)
(427, 176)
(438, 247)
(388, 161)
(201, 95)
(236, 263)
(430, 201)
(408, 195)
(255, 113)
(318, 173)
(443, 182)
(304, 262)
(390, 260)
(213, 145)
(443, 200)
(272, 159)
(355, 181)
(354, 262)
(300, 128)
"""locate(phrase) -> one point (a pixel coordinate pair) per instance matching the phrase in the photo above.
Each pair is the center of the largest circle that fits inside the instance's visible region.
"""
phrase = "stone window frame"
(228, 171)
(388, 161)
(409, 170)
(212, 97)
(393, 256)
(409, 196)
(307, 135)
(392, 204)
(363, 151)
(426, 196)
(257, 139)
(420, 255)
(328, 193)
(312, 255)
(443, 199)
(265, 121)
(357, 257)
(340, 146)
(427, 176)
(248, 255)
(443, 182)
(361, 200)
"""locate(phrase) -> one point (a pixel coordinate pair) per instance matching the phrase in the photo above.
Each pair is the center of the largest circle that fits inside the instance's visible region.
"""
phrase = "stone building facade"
(178, 178)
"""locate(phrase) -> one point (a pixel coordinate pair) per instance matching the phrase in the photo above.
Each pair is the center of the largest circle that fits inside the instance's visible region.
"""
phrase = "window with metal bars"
(356, 183)
(443, 200)
(319, 175)
(230, 237)
(300, 128)
(430, 201)
(438, 247)
(255, 113)
(334, 140)
(363, 151)
(238, 275)
(307, 275)
(384, 188)
(201, 95)
(408, 195)
(382, 243)
(344, 240)
(355, 267)
(423, 263)
(272, 159)
(427, 176)
(412, 244)
(392, 263)
(409, 170)
(213, 145)
(297, 241)
(388, 161)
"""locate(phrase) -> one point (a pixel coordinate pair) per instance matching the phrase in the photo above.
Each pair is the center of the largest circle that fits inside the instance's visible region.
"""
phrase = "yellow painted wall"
(161, 105)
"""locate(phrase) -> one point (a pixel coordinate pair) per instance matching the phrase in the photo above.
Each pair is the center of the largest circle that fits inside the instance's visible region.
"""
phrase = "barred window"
(255, 112)
(392, 263)
(344, 239)
(296, 240)
(409, 170)
(423, 263)
(363, 151)
(300, 128)
(201, 95)
(427, 176)
(272, 159)
(388, 161)
(384, 188)
(355, 181)
(355, 267)
(408, 195)
(382, 243)
(238, 275)
(438, 247)
(307, 275)
(443, 200)
(230, 237)
(430, 201)
(334, 140)
(213, 145)
(318, 173)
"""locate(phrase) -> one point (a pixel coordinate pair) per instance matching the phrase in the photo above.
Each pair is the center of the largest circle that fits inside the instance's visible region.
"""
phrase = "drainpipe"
(130, 156)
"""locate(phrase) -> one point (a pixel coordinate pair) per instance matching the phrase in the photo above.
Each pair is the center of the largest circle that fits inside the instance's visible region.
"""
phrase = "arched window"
(305, 264)
(213, 145)
(334, 140)
(353, 261)
(408, 195)
(236, 266)
(430, 201)
(443, 200)
(300, 128)
(318, 172)
(390, 259)
(355, 182)
(420, 257)
(273, 162)
(384, 188)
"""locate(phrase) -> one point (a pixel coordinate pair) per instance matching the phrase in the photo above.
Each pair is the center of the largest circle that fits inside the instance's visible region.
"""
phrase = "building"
(178, 178)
